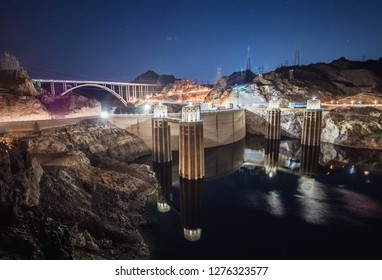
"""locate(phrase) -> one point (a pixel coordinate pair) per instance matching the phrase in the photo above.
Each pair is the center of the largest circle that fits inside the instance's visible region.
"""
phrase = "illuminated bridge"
(125, 92)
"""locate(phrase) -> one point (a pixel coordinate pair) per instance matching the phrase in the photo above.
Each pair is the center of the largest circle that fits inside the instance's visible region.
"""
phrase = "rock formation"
(333, 81)
(182, 91)
(353, 127)
(17, 82)
(73, 192)
(357, 127)
(150, 77)
(72, 106)
(22, 108)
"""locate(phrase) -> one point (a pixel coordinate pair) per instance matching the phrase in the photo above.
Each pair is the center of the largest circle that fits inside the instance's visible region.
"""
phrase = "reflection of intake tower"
(271, 157)
(311, 131)
(309, 160)
(273, 117)
(191, 193)
(191, 147)
(161, 135)
(163, 172)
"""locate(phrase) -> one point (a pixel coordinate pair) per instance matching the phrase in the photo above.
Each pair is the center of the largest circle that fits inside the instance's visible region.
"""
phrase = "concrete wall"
(219, 127)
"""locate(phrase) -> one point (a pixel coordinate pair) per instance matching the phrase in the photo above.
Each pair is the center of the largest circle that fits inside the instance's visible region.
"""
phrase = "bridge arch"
(97, 86)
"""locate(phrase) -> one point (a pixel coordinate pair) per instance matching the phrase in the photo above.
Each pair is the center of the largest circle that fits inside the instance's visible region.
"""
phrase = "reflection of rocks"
(51, 209)
(331, 153)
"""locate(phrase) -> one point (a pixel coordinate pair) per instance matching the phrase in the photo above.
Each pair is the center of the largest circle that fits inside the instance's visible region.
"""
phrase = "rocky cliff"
(22, 108)
(353, 127)
(328, 81)
(17, 82)
(73, 192)
(291, 123)
(22, 100)
(357, 127)
(182, 91)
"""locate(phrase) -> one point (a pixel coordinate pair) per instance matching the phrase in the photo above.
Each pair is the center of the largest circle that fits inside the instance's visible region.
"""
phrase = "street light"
(147, 108)
(104, 114)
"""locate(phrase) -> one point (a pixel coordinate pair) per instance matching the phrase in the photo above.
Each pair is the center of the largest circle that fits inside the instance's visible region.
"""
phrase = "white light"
(147, 107)
(314, 97)
(104, 115)
(190, 103)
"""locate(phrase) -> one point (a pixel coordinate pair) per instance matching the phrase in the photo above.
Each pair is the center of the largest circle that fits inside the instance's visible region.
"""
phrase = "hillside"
(150, 77)
(329, 82)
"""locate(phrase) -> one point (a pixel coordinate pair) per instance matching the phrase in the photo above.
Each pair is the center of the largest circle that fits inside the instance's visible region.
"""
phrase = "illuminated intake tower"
(161, 135)
(273, 118)
(191, 147)
(311, 131)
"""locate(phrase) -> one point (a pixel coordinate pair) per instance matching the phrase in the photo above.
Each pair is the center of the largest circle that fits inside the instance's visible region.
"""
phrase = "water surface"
(271, 200)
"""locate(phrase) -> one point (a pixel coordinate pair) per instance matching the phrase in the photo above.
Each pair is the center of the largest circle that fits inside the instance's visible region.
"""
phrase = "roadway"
(37, 125)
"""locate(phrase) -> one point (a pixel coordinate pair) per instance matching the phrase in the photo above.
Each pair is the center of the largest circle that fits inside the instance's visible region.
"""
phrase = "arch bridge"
(125, 92)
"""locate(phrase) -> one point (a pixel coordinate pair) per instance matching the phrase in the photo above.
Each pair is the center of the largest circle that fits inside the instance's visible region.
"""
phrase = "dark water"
(278, 201)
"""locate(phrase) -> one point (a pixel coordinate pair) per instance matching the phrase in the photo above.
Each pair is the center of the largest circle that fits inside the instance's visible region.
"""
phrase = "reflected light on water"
(311, 188)
(275, 203)
(352, 169)
(192, 234)
(163, 207)
(314, 209)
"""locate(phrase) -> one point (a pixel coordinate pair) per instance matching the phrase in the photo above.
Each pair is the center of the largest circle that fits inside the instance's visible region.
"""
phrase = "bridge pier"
(161, 134)
(311, 131)
(191, 147)
(52, 90)
(273, 118)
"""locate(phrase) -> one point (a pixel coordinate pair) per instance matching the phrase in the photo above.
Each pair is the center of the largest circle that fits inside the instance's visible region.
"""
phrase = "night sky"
(120, 39)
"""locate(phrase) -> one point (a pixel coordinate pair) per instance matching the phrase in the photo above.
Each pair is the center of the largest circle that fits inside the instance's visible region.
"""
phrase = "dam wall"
(220, 127)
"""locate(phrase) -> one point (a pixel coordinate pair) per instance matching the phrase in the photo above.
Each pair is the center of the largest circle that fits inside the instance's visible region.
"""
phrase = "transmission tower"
(248, 65)
(218, 73)
(261, 69)
(297, 58)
